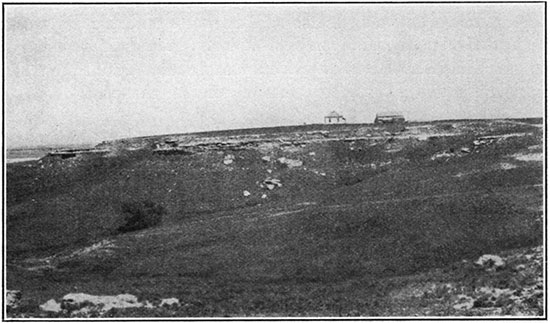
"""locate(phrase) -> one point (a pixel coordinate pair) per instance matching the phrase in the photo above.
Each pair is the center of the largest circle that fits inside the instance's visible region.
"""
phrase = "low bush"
(141, 215)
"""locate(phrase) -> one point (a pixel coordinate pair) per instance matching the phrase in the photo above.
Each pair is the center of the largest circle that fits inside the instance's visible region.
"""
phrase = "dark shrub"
(141, 215)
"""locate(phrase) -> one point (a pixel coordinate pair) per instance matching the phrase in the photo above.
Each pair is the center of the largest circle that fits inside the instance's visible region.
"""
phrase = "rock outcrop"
(86, 305)
(13, 299)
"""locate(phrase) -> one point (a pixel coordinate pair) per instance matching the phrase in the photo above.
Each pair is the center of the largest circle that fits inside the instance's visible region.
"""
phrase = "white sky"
(87, 73)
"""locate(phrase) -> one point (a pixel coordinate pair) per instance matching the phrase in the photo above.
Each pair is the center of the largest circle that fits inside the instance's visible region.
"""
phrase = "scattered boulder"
(312, 153)
(77, 301)
(51, 306)
(228, 159)
(490, 262)
(266, 159)
(13, 299)
(246, 193)
(290, 163)
(452, 153)
(264, 196)
(168, 302)
(481, 141)
(271, 183)
(442, 155)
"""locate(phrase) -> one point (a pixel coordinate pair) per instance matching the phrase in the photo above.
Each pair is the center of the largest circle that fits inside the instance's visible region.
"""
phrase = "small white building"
(334, 117)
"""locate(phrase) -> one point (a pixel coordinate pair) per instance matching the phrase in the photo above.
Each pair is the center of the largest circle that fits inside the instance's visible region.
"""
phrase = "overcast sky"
(88, 73)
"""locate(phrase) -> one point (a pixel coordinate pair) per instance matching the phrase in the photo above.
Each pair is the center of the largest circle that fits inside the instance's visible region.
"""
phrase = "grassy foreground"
(353, 225)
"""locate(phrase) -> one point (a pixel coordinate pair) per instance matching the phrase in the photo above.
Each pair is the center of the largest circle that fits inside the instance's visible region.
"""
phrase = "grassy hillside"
(330, 242)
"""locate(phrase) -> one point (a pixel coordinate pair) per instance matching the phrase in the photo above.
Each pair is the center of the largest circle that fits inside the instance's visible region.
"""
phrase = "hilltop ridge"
(345, 220)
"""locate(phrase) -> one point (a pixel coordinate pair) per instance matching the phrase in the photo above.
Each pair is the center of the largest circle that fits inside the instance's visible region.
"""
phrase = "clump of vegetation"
(141, 215)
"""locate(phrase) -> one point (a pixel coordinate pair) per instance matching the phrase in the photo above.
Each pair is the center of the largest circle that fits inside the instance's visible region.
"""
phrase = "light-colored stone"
(13, 299)
(290, 163)
(51, 306)
(76, 301)
(246, 193)
(490, 262)
(442, 155)
(228, 159)
(271, 183)
(169, 302)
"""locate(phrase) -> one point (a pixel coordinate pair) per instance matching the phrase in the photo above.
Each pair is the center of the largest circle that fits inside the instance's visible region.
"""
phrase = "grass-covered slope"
(331, 241)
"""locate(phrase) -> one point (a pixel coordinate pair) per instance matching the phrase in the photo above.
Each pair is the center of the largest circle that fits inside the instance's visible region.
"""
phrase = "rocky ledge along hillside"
(302, 135)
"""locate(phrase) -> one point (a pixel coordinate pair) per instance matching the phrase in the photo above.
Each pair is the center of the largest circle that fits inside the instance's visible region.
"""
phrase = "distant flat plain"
(30, 153)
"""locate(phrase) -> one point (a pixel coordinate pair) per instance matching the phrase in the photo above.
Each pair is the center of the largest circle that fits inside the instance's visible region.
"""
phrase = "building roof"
(389, 114)
(333, 114)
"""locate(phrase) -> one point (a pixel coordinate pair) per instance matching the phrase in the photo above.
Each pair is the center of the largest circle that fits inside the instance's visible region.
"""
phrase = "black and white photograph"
(274, 160)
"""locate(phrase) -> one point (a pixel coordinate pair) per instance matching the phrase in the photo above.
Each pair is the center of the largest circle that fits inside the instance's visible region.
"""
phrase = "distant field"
(14, 155)
(26, 153)
(356, 223)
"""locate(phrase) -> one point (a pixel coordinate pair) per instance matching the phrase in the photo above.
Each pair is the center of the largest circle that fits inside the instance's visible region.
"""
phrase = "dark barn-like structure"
(389, 117)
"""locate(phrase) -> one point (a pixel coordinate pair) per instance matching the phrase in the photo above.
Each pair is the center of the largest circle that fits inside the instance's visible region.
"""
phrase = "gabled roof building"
(334, 117)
